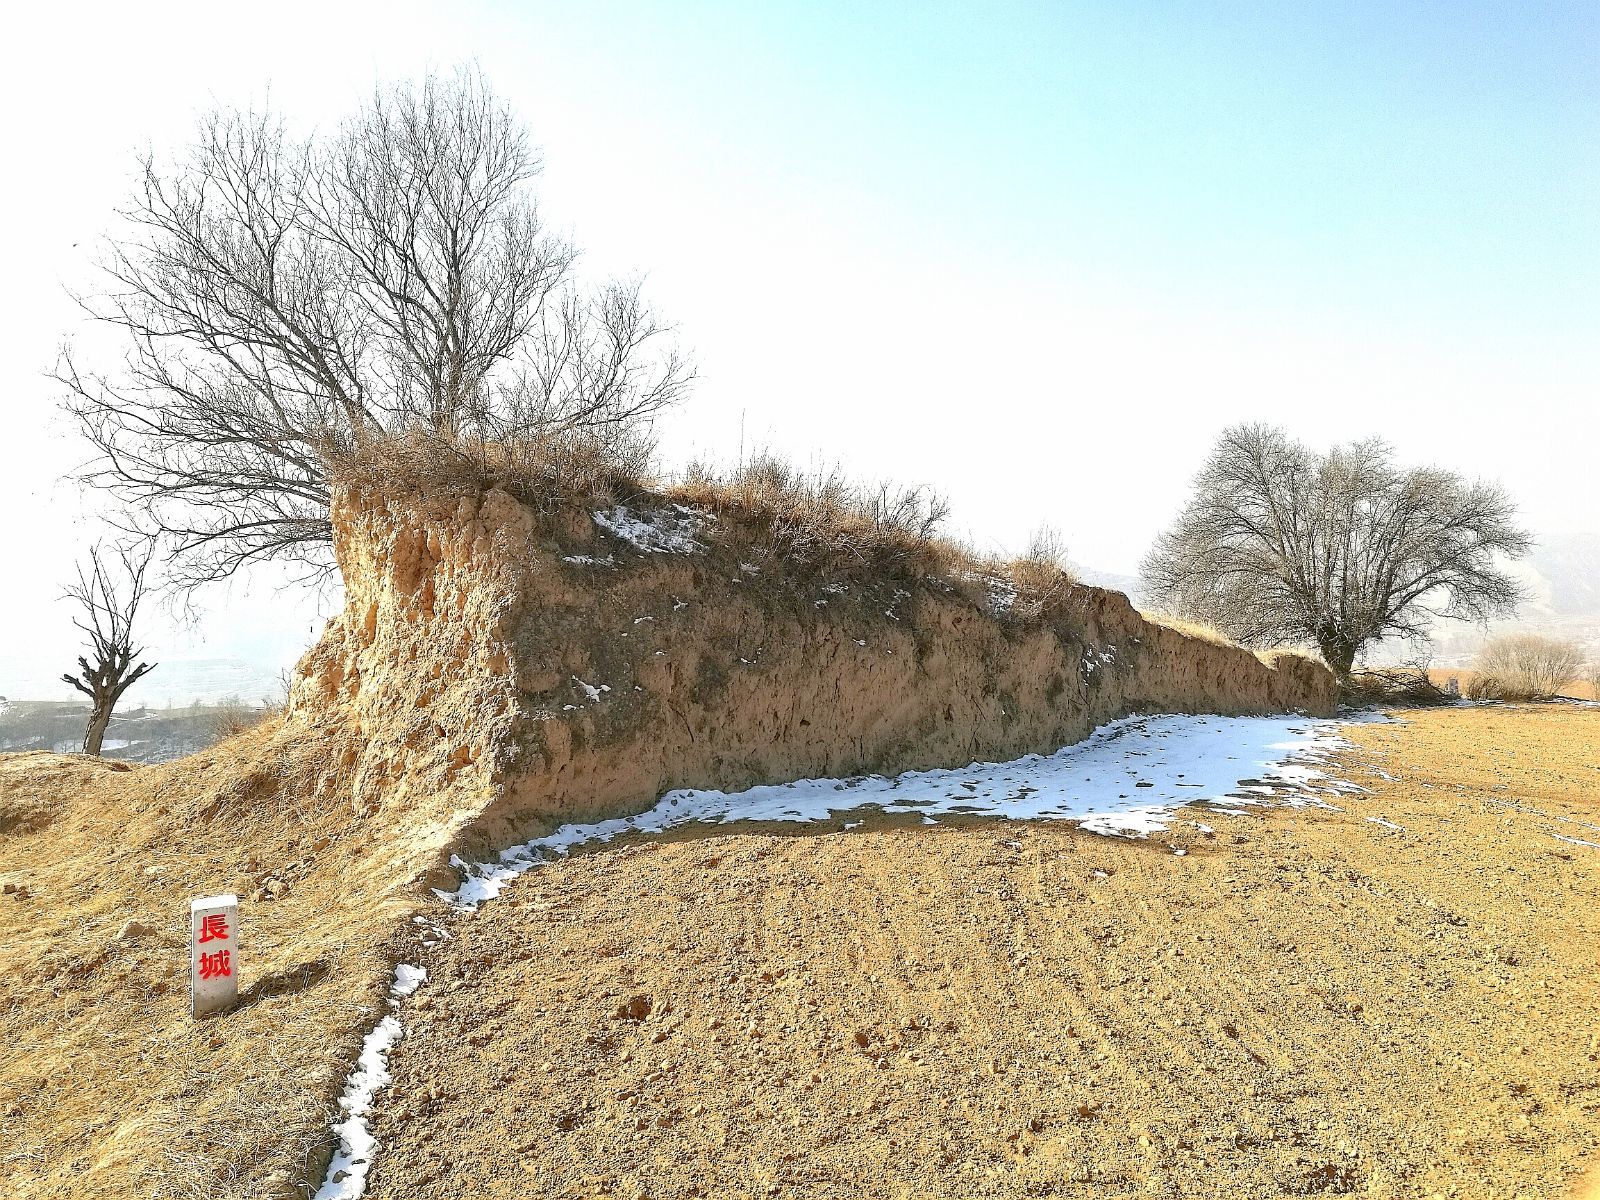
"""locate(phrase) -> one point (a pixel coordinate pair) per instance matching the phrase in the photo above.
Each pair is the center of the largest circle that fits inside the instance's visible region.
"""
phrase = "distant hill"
(1568, 574)
(1562, 580)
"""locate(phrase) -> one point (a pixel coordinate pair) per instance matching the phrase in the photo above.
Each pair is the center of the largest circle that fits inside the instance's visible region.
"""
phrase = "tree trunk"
(98, 720)
(1339, 652)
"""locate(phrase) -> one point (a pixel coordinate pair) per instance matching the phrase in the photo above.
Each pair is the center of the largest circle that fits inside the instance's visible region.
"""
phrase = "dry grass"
(823, 523)
(107, 1087)
(549, 472)
(1041, 576)
(233, 718)
(1194, 629)
(1525, 666)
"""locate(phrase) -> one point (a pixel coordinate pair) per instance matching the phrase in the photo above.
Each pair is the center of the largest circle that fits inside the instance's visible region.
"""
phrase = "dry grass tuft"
(547, 472)
(1041, 576)
(823, 523)
(1194, 629)
(233, 717)
(1525, 666)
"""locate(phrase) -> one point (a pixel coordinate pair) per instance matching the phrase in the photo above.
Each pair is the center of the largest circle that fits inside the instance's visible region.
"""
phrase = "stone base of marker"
(213, 954)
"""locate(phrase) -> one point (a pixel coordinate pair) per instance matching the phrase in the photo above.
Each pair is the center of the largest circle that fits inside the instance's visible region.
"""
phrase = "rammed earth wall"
(542, 669)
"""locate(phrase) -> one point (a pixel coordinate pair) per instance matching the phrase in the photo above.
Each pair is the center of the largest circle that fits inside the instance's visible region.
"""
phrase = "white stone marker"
(213, 954)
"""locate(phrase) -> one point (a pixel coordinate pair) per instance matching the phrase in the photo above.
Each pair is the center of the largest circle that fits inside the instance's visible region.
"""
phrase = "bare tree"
(286, 303)
(109, 590)
(1279, 544)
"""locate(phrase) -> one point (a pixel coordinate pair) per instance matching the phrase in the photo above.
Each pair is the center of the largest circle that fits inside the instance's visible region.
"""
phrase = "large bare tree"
(1281, 544)
(287, 302)
(109, 591)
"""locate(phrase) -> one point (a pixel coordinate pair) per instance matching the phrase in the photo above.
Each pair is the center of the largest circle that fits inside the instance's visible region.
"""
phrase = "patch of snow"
(408, 979)
(1126, 779)
(1387, 824)
(1001, 595)
(670, 531)
(1094, 659)
(347, 1172)
(590, 691)
(589, 560)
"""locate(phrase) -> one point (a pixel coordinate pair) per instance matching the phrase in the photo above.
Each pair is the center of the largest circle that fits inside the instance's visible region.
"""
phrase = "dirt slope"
(107, 1087)
(1305, 1003)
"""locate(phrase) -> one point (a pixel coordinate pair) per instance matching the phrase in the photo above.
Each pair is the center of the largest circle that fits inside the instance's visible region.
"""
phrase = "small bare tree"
(1279, 544)
(286, 303)
(110, 588)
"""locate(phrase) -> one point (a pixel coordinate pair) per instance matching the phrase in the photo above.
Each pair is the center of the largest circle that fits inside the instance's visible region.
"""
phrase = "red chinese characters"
(215, 965)
(214, 928)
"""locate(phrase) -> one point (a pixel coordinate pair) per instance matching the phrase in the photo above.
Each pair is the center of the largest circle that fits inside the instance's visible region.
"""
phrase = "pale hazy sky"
(1035, 255)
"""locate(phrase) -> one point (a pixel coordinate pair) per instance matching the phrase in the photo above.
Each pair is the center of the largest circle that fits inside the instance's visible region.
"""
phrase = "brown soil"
(494, 668)
(1305, 1003)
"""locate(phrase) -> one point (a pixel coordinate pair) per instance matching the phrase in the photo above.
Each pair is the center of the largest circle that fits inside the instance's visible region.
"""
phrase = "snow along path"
(346, 1178)
(1125, 779)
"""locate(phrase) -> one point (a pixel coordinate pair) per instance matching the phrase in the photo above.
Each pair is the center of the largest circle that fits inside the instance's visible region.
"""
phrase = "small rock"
(635, 1008)
(135, 929)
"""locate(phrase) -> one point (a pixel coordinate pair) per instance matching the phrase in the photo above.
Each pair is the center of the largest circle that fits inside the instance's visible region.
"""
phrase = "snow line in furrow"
(1127, 779)
(346, 1177)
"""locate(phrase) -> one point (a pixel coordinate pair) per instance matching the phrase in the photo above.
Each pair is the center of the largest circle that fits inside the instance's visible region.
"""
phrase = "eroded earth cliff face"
(546, 668)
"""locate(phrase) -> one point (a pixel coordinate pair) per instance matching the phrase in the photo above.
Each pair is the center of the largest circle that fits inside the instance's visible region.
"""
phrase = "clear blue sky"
(1035, 256)
(1438, 161)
